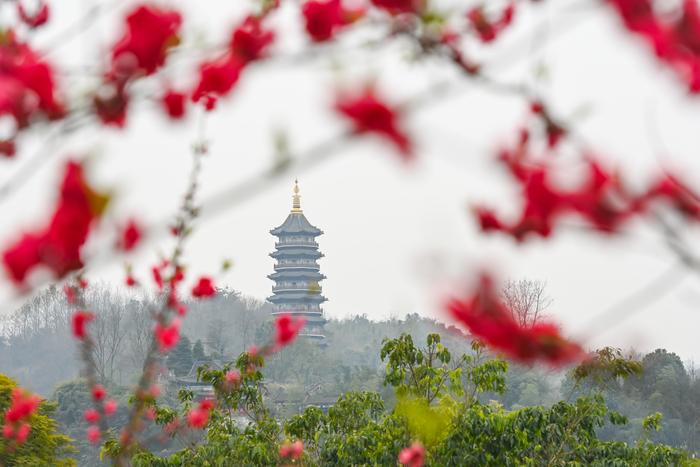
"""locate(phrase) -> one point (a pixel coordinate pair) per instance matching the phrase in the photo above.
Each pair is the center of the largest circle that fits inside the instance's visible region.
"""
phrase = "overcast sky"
(398, 238)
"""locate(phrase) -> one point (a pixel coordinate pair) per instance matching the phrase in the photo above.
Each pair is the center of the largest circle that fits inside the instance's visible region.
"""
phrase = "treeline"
(37, 349)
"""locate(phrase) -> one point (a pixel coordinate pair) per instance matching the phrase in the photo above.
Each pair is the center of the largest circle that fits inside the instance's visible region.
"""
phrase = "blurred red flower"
(413, 456)
(249, 40)
(204, 288)
(488, 320)
(150, 32)
(370, 114)
(80, 320)
(168, 335)
(287, 329)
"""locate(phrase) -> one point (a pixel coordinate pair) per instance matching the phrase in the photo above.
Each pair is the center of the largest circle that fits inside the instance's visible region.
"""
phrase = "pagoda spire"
(296, 199)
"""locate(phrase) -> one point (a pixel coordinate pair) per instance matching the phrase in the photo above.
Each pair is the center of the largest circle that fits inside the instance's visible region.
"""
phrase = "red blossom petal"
(412, 456)
(110, 407)
(80, 320)
(91, 415)
(204, 288)
(287, 329)
(150, 32)
(174, 104)
(370, 114)
(98, 392)
(217, 78)
(168, 335)
(249, 40)
(488, 319)
(130, 236)
(93, 434)
(38, 18)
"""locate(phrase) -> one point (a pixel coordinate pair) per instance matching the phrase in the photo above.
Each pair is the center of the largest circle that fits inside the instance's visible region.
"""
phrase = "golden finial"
(296, 199)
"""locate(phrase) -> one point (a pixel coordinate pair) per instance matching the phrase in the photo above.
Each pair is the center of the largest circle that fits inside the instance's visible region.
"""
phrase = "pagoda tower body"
(297, 291)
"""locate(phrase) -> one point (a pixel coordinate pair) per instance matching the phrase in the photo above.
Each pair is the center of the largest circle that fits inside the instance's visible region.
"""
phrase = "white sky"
(397, 237)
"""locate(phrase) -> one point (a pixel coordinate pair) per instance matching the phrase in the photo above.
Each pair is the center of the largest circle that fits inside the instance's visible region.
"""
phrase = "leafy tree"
(44, 446)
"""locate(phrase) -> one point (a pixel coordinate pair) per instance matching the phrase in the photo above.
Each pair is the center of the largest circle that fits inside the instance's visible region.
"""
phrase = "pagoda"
(297, 291)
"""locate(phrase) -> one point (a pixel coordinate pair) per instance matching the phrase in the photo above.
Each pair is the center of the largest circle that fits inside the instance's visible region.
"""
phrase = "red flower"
(130, 236)
(413, 456)
(396, 7)
(486, 29)
(58, 245)
(204, 288)
(168, 335)
(292, 450)
(217, 78)
(232, 378)
(23, 433)
(673, 35)
(91, 415)
(93, 434)
(80, 320)
(157, 277)
(323, 18)
(25, 79)
(174, 104)
(287, 329)
(22, 406)
(130, 281)
(150, 32)
(110, 407)
(488, 319)
(199, 416)
(98, 392)
(370, 114)
(39, 17)
(249, 40)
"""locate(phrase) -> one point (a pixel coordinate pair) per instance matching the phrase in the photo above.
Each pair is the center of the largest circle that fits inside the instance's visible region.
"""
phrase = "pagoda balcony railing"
(296, 265)
(297, 288)
(293, 243)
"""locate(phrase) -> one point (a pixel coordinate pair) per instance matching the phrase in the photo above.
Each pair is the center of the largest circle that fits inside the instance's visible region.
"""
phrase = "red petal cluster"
(232, 378)
(38, 18)
(22, 405)
(488, 29)
(291, 450)
(93, 434)
(488, 319)
(323, 18)
(674, 37)
(370, 114)
(287, 329)
(80, 320)
(130, 236)
(217, 78)
(98, 392)
(58, 245)
(150, 32)
(27, 84)
(250, 40)
(174, 104)
(110, 407)
(413, 456)
(91, 415)
(199, 416)
(602, 199)
(204, 288)
(167, 336)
